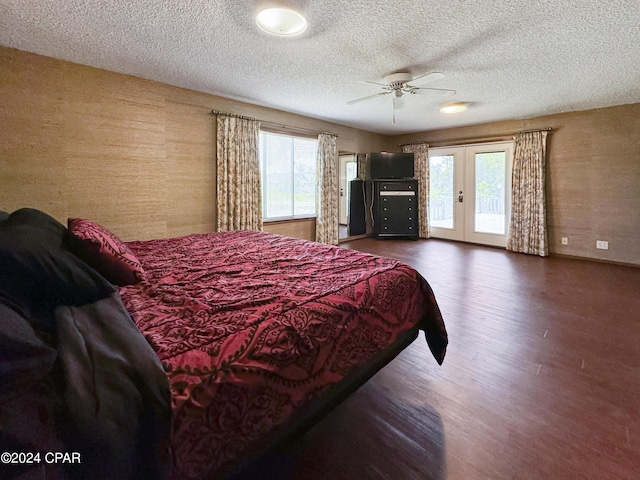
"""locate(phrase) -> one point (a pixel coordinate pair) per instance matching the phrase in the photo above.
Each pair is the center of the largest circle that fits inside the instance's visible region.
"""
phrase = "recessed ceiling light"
(455, 107)
(281, 21)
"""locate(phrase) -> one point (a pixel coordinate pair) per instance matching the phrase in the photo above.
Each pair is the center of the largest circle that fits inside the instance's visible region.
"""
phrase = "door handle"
(460, 198)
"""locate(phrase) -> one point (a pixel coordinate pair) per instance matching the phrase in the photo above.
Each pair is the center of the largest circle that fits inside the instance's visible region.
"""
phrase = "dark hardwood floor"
(541, 378)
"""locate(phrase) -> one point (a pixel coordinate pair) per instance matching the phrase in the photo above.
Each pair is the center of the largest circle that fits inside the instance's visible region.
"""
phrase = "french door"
(470, 192)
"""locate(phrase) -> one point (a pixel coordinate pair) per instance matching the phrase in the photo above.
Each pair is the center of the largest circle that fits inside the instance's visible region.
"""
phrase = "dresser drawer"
(408, 186)
(398, 204)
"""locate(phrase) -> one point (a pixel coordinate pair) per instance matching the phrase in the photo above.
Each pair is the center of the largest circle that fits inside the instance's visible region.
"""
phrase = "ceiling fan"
(398, 84)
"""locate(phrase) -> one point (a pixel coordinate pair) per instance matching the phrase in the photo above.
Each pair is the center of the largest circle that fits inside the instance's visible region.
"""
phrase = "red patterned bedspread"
(250, 325)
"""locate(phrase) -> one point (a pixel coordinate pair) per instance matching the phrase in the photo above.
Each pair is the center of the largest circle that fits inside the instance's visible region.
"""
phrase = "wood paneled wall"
(134, 155)
(593, 177)
(139, 156)
(303, 228)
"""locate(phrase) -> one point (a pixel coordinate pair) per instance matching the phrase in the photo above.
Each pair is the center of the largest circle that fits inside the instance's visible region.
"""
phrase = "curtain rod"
(273, 125)
(497, 138)
(216, 112)
(547, 129)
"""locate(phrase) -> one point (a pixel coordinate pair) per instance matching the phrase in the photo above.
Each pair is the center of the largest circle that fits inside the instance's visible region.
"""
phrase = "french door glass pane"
(441, 194)
(351, 174)
(490, 193)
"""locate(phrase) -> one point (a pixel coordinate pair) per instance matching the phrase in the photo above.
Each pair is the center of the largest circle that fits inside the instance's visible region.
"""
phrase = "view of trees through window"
(490, 169)
(441, 191)
(489, 185)
(288, 175)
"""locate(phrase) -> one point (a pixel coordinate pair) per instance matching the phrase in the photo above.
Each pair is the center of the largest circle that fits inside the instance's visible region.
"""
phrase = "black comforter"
(82, 394)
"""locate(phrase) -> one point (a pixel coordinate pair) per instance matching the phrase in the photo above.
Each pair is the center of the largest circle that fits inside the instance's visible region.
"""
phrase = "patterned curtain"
(238, 174)
(421, 173)
(361, 158)
(528, 232)
(327, 190)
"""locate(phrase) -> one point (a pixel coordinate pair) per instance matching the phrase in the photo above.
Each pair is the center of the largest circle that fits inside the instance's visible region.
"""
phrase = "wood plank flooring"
(541, 378)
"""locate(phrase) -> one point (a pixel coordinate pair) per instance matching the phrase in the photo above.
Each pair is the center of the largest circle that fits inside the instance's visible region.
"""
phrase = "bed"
(188, 357)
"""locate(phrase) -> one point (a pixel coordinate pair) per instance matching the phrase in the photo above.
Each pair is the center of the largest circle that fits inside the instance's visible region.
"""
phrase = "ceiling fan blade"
(368, 97)
(428, 90)
(429, 77)
(368, 82)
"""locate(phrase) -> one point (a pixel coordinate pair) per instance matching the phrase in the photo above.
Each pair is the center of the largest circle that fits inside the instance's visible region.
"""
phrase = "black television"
(390, 165)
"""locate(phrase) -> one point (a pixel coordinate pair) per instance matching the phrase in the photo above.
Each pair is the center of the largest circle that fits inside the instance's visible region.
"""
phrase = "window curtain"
(327, 190)
(528, 232)
(361, 158)
(421, 173)
(238, 174)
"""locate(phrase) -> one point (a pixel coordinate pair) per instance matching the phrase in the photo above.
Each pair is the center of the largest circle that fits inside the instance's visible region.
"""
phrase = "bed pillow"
(105, 252)
(38, 273)
(49, 230)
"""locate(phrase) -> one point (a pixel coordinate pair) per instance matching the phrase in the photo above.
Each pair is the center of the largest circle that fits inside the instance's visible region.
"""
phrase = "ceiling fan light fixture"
(398, 102)
(455, 107)
(282, 22)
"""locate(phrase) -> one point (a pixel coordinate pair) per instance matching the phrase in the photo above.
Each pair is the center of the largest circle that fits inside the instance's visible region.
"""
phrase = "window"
(288, 175)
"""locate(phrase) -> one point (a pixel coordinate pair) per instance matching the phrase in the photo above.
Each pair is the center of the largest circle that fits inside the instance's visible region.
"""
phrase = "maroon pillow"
(105, 252)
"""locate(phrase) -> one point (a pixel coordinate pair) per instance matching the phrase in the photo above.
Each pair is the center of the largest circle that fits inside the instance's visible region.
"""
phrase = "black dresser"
(395, 208)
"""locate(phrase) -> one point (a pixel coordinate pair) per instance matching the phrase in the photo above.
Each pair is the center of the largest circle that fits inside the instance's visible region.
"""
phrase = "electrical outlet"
(602, 245)
(564, 240)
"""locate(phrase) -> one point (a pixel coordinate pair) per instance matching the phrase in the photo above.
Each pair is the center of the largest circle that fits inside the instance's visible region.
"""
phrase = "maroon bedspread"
(250, 325)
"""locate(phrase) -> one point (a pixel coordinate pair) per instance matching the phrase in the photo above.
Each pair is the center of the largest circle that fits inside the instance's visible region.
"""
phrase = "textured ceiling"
(509, 59)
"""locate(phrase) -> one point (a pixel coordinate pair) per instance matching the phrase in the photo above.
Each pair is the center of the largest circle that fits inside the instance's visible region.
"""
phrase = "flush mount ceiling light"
(281, 21)
(455, 107)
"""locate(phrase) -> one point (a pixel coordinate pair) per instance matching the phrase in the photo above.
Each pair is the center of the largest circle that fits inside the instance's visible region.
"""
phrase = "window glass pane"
(304, 200)
(288, 175)
(441, 199)
(490, 194)
(277, 153)
(352, 171)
